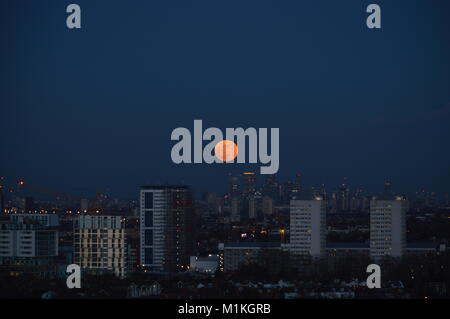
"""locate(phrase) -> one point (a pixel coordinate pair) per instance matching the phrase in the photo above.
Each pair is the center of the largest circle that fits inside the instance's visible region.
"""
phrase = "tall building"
(212, 203)
(388, 225)
(308, 227)
(333, 203)
(271, 187)
(343, 199)
(293, 189)
(296, 187)
(234, 187)
(249, 183)
(357, 201)
(166, 227)
(235, 209)
(267, 206)
(252, 212)
(287, 191)
(99, 244)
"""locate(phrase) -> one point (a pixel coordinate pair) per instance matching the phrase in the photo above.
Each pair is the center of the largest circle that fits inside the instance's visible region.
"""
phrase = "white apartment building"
(388, 227)
(308, 227)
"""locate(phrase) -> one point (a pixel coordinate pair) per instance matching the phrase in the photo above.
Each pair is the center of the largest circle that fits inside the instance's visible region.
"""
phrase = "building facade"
(29, 244)
(100, 244)
(388, 227)
(308, 227)
(165, 227)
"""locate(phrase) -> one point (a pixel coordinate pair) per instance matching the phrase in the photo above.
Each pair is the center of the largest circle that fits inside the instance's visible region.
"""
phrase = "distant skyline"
(307, 185)
(92, 110)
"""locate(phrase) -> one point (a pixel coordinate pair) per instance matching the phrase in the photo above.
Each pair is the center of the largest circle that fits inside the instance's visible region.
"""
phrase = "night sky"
(93, 109)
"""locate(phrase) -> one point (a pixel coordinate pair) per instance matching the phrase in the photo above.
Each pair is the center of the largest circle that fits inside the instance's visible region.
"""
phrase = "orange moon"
(226, 150)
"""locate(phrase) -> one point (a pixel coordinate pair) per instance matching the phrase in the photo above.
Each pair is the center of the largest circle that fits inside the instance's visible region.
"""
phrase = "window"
(148, 258)
(148, 237)
(148, 219)
(148, 200)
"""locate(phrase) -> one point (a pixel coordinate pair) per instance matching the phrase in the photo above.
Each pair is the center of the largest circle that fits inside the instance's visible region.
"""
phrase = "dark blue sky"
(93, 109)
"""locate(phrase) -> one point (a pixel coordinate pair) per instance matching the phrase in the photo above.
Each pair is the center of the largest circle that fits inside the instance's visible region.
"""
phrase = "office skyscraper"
(235, 209)
(252, 212)
(267, 206)
(234, 186)
(296, 187)
(249, 182)
(271, 187)
(212, 203)
(166, 227)
(343, 199)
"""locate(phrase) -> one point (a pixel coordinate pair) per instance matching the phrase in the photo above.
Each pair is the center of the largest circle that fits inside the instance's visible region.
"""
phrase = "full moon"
(226, 150)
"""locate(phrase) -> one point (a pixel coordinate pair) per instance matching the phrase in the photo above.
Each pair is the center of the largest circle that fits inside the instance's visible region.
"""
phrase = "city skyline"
(235, 152)
(42, 192)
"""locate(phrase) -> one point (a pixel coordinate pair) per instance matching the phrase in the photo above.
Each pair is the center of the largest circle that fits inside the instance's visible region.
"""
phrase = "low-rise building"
(207, 265)
(29, 244)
